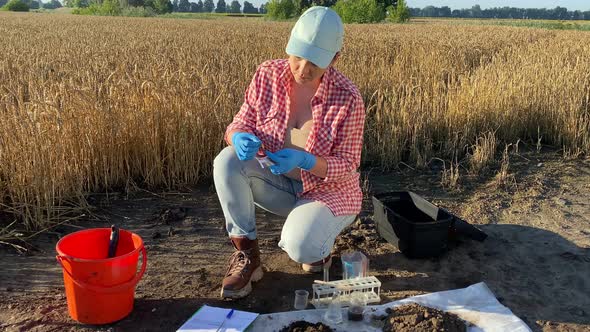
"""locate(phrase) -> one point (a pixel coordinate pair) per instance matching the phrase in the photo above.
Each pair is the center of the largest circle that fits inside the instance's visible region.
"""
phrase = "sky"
(458, 4)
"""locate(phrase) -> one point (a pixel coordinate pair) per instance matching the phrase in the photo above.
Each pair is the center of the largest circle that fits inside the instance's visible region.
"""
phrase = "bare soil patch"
(536, 259)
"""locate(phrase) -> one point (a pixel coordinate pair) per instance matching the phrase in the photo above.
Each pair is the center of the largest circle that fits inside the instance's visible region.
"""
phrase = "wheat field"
(93, 104)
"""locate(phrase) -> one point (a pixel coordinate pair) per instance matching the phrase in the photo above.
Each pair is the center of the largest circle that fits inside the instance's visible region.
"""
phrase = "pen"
(228, 316)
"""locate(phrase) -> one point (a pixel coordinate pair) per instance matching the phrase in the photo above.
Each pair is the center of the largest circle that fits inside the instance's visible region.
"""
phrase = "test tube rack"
(323, 293)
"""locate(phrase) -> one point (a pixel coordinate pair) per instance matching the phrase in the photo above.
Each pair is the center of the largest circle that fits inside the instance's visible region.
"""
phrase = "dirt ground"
(536, 259)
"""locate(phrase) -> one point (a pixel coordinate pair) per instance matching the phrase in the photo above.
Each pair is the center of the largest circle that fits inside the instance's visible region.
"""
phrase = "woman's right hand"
(246, 145)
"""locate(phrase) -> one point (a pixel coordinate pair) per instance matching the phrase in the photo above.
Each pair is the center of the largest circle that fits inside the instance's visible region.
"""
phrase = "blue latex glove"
(287, 159)
(246, 145)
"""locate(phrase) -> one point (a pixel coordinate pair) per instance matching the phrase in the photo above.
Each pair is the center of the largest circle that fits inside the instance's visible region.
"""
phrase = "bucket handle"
(107, 289)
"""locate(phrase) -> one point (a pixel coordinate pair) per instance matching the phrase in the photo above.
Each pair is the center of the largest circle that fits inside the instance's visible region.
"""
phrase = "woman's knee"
(310, 231)
(302, 252)
(225, 161)
(302, 244)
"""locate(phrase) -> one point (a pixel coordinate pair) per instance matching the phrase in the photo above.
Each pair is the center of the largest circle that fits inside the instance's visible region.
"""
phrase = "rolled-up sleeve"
(345, 156)
(245, 119)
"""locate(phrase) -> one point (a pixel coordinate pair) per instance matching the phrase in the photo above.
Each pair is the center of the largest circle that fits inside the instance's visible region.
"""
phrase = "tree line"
(557, 13)
(26, 5)
(182, 6)
(357, 11)
(351, 11)
(208, 6)
(159, 6)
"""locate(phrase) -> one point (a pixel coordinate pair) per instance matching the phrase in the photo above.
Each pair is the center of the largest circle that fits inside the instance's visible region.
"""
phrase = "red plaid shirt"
(337, 132)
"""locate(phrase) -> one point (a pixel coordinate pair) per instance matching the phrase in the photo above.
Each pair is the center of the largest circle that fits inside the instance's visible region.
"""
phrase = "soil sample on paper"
(416, 318)
(303, 326)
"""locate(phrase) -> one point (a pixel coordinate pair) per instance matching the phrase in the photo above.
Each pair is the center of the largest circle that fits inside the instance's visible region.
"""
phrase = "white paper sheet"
(209, 319)
(475, 304)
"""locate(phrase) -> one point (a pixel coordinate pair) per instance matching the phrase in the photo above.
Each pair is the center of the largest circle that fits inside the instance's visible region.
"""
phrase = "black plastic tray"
(417, 227)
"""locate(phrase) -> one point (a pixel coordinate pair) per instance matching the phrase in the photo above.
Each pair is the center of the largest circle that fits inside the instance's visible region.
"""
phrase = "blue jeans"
(310, 229)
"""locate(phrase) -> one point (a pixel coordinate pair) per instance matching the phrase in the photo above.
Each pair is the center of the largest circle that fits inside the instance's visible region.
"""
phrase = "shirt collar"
(284, 76)
(327, 81)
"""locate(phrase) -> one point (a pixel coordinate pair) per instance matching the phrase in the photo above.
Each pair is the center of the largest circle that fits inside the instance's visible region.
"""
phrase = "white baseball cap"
(317, 36)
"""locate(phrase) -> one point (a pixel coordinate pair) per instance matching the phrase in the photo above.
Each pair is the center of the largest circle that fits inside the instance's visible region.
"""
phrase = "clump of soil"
(303, 326)
(416, 318)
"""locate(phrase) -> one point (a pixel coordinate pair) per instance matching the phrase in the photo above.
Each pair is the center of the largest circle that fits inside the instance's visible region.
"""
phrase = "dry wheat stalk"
(146, 100)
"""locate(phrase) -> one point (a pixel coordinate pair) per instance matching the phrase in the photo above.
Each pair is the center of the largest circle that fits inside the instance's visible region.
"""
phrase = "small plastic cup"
(358, 302)
(301, 299)
(333, 314)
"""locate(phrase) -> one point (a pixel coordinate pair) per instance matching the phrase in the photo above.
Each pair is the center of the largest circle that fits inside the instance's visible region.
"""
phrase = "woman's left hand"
(287, 159)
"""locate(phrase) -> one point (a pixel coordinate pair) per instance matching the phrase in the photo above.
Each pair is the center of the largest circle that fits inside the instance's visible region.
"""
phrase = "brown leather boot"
(244, 267)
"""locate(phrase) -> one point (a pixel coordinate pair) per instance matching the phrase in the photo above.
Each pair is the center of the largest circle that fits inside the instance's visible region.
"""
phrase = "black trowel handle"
(113, 241)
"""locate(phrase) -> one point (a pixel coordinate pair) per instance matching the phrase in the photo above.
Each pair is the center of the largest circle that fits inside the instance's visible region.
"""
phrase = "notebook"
(210, 319)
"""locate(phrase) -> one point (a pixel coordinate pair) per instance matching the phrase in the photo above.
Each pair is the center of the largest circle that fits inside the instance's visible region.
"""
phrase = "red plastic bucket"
(100, 290)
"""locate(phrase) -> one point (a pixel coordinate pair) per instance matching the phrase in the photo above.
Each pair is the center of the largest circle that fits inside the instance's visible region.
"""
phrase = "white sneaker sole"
(316, 268)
